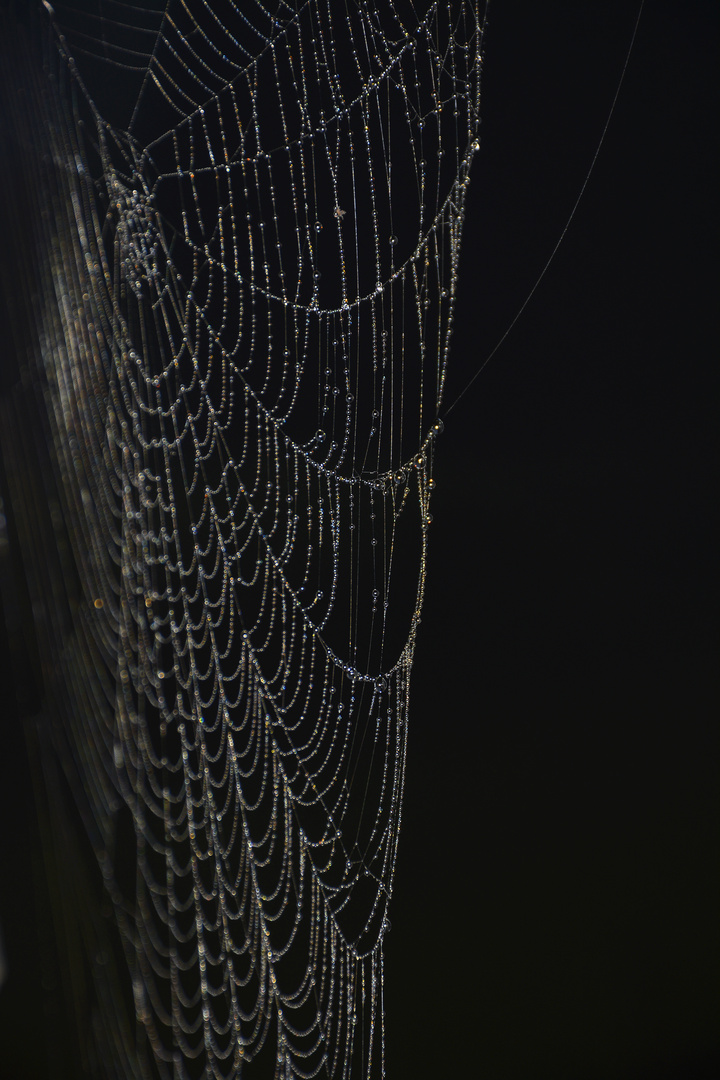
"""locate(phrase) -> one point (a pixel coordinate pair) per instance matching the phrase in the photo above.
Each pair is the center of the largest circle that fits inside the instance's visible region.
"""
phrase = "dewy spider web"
(248, 273)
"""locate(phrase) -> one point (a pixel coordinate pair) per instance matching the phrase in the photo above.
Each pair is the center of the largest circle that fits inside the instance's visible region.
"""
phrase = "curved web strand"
(248, 276)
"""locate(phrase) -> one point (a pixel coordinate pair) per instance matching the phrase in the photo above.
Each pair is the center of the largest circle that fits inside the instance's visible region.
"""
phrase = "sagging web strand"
(250, 270)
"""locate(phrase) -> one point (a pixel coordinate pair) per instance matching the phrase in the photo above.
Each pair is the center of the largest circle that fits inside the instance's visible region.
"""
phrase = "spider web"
(247, 265)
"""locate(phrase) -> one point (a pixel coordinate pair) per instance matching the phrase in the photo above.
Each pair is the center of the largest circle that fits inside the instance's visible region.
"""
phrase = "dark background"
(555, 913)
(555, 908)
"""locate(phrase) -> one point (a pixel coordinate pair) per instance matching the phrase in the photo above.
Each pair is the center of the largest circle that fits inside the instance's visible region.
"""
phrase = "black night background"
(555, 907)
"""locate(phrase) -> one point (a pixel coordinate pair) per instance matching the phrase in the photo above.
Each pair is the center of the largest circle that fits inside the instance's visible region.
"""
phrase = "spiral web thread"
(249, 263)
